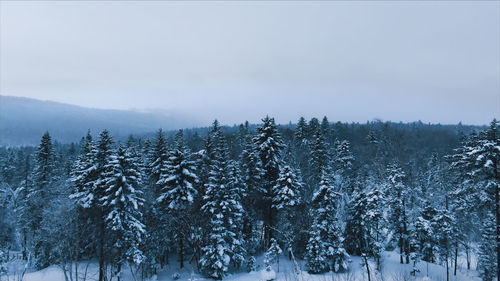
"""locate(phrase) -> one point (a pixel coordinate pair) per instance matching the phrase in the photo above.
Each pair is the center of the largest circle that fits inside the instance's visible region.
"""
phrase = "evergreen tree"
(301, 130)
(235, 214)
(251, 173)
(343, 160)
(365, 221)
(425, 228)
(102, 157)
(177, 177)
(177, 181)
(38, 195)
(445, 231)
(487, 250)
(325, 129)
(319, 159)
(269, 144)
(223, 209)
(286, 192)
(272, 254)
(397, 194)
(122, 202)
(325, 249)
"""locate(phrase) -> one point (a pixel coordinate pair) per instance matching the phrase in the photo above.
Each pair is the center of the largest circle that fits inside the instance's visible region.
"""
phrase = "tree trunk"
(181, 253)
(456, 259)
(76, 270)
(101, 252)
(119, 269)
(367, 266)
(447, 268)
(467, 253)
(401, 250)
(405, 231)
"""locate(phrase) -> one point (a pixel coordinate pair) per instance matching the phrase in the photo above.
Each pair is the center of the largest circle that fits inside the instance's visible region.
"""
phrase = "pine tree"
(251, 173)
(269, 144)
(234, 214)
(38, 195)
(445, 231)
(399, 219)
(272, 254)
(177, 181)
(122, 202)
(286, 192)
(319, 159)
(487, 260)
(425, 228)
(300, 135)
(102, 156)
(342, 163)
(325, 249)
(223, 209)
(486, 172)
(177, 178)
(366, 220)
(157, 162)
(216, 255)
(325, 129)
(479, 158)
(83, 174)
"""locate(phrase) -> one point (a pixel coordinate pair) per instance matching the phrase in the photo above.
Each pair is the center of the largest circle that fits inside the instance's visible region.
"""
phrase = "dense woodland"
(218, 197)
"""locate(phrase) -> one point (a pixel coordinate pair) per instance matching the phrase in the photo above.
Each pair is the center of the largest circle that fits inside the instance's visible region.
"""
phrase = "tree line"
(218, 197)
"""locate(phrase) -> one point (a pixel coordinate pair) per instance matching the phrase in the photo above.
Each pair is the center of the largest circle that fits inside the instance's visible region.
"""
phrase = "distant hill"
(24, 120)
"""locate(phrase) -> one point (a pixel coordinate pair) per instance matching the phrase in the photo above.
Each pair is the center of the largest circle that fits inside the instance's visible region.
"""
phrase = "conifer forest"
(316, 198)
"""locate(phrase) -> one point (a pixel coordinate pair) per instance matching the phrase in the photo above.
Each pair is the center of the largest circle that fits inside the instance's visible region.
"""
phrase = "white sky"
(236, 61)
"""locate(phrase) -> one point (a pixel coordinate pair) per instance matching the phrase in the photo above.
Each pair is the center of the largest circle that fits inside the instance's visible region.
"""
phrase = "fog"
(236, 61)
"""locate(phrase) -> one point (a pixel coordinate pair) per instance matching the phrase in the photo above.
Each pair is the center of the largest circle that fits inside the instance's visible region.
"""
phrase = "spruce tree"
(216, 254)
(269, 144)
(177, 192)
(425, 228)
(122, 204)
(38, 196)
(325, 249)
(319, 159)
(177, 177)
(286, 192)
(102, 157)
(342, 163)
(397, 192)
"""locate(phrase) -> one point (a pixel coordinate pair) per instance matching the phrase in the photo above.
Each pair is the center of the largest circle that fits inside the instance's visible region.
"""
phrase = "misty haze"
(249, 140)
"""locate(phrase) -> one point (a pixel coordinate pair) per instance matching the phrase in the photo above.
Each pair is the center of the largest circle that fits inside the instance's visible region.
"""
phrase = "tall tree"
(224, 213)
(38, 195)
(325, 249)
(177, 181)
(397, 192)
(269, 144)
(122, 202)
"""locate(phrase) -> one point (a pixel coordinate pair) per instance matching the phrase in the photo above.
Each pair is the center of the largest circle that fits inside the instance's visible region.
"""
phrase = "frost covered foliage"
(218, 197)
(364, 233)
(223, 209)
(268, 144)
(477, 162)
(122, 203)
(273, 253)
(286, 192)
(325, 249)
(177, 177)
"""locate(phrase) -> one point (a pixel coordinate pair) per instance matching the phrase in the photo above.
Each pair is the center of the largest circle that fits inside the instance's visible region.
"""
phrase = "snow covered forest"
(323, 198)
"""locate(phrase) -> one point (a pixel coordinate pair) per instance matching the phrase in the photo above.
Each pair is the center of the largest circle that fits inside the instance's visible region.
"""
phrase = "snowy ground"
(392, 271)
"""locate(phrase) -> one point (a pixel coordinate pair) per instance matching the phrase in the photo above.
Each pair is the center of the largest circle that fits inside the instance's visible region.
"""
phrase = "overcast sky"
(236, 61)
